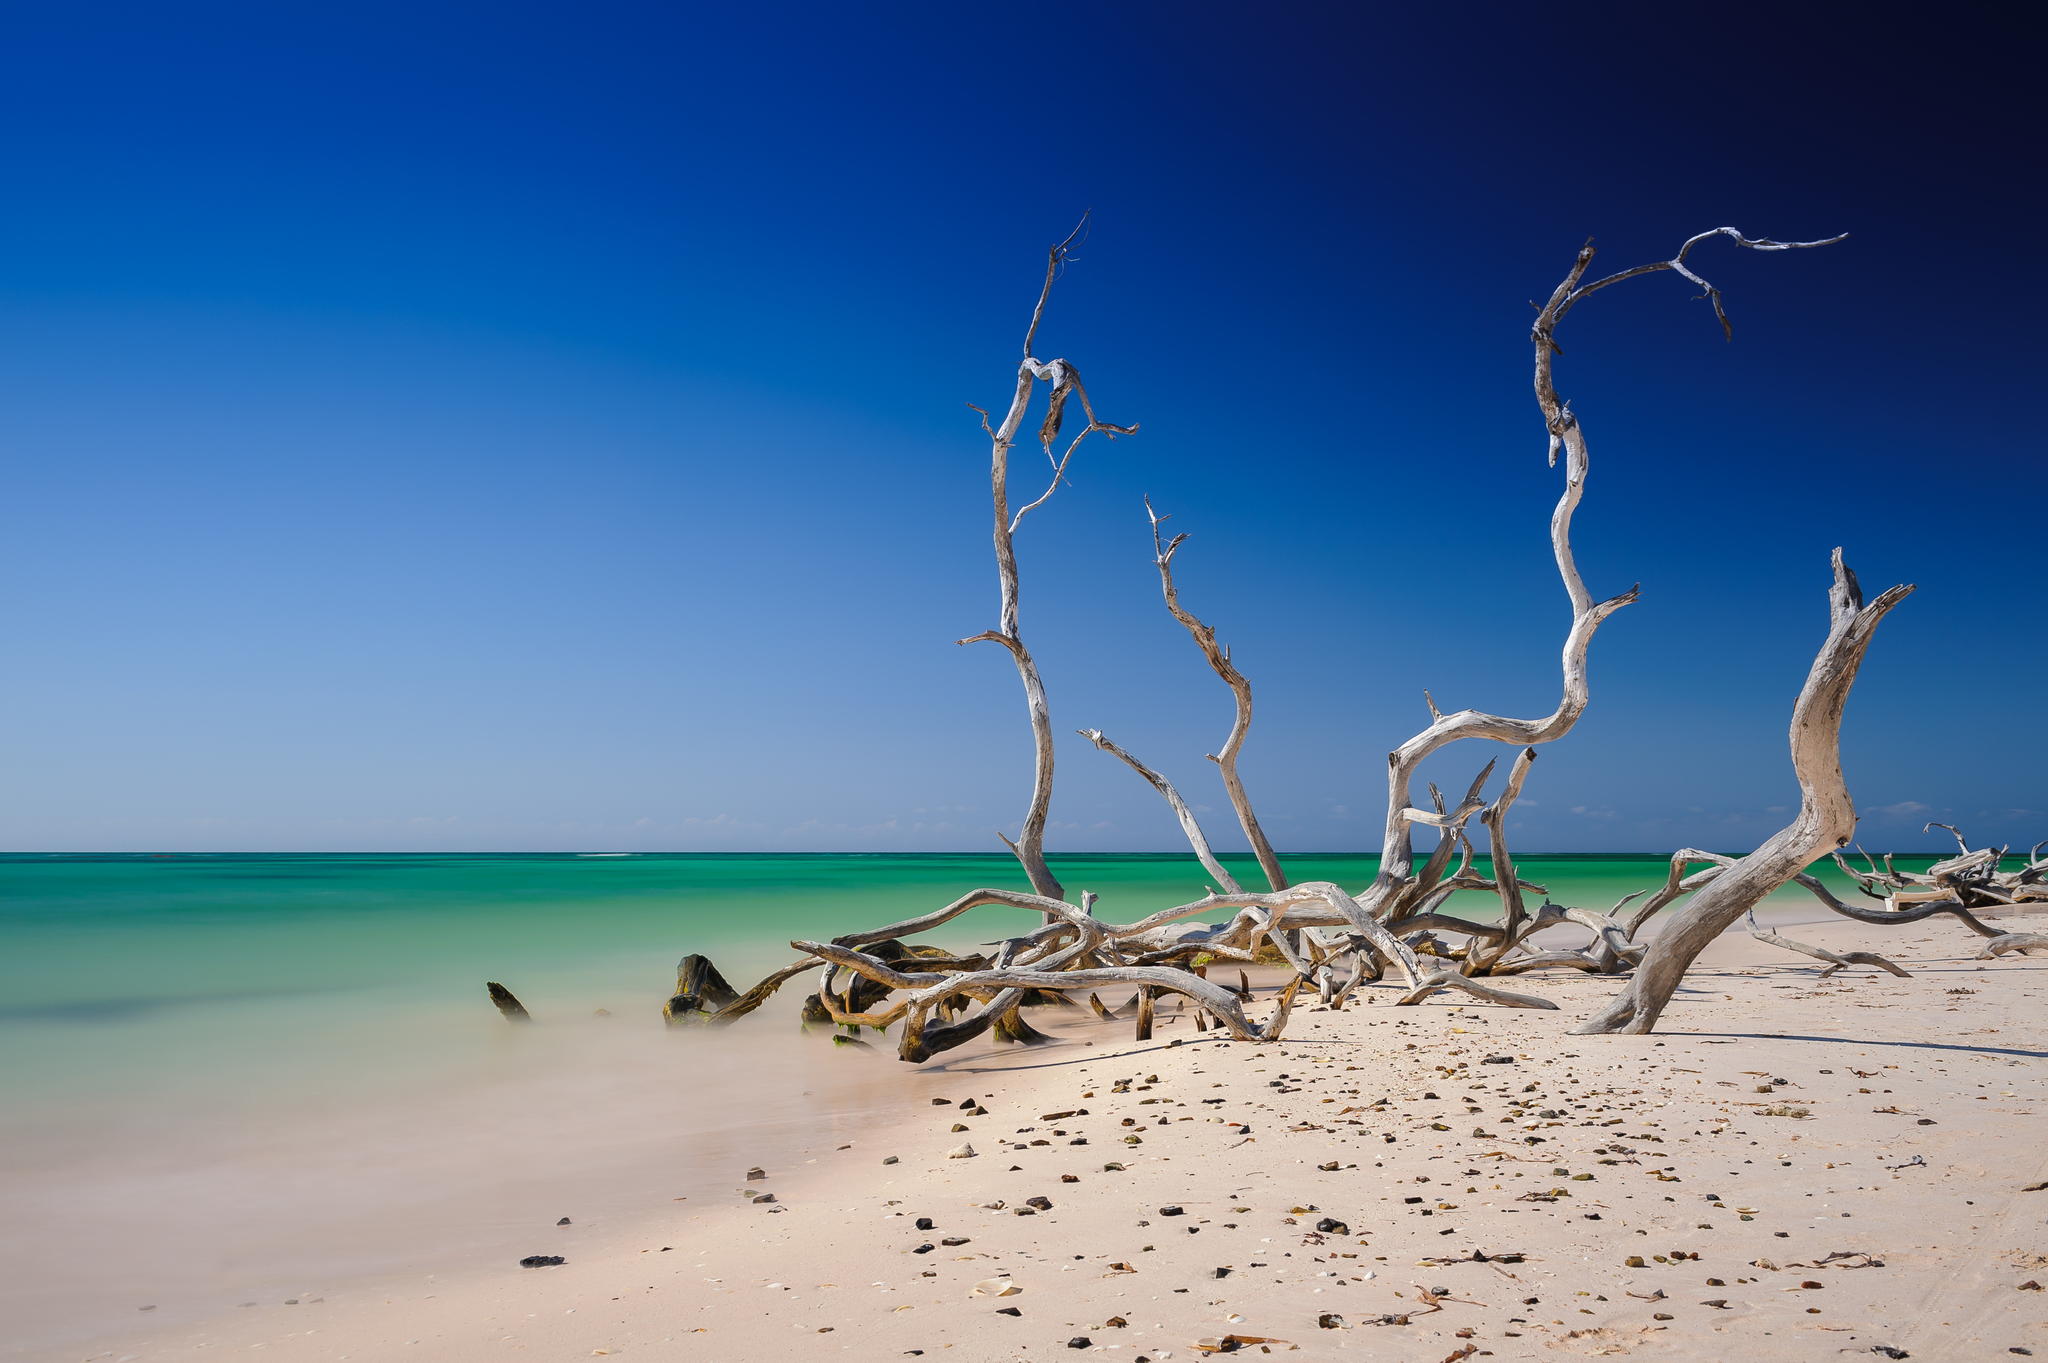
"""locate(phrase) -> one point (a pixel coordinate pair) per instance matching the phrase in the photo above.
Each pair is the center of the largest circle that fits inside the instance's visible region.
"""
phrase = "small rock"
(1330, 1225)
(925, 1223)
(1079, 1342)
(1330, 1320)
(961, 1152)
(1171, 1211)
(563, 1222)
(756, 1175)
(542, 1261)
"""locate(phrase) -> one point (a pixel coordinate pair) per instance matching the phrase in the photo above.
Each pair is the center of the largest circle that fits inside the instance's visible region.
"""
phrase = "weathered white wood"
(1835, 960)
(1219, 661)
(2026, 943)
(1065, 383)
(1825, 820)
(1189, 826)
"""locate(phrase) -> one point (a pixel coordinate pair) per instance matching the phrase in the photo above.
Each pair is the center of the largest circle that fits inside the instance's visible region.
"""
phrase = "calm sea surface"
(133, 971)
(241, 1077)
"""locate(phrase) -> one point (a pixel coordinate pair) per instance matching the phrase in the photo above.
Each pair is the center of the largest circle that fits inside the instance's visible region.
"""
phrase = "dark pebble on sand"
(1330, 1225)
(542, 1261)
(1171, 1211)
(925, 1223)
(1079, 1342)
(563, 1222)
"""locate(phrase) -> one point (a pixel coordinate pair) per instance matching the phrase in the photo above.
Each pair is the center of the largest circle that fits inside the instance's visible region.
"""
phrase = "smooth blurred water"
(234, 1076)
(127, 976)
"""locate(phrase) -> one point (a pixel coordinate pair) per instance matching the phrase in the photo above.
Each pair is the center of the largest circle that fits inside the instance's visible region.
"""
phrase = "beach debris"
(563, 1222)
(756, 1174)
(507, 1002)
(961, 1152)
(994, 1287)
(1079, 1342)
(700, 992)
(542, 1261)
(1330, 1320)
(1230, 1344)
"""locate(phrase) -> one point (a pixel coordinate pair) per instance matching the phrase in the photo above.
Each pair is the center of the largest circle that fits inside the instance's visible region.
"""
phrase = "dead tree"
(1825, 821)
(1381, 933)
(1065, 384)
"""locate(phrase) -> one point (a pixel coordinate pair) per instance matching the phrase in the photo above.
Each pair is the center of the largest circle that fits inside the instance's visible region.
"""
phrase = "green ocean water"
(234, 1078)
(126, 972)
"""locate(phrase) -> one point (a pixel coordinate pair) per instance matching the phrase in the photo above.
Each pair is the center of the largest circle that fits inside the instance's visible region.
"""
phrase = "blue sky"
(522, 427)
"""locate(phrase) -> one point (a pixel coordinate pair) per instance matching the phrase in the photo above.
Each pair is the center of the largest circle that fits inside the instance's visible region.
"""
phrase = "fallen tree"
(1333, 939)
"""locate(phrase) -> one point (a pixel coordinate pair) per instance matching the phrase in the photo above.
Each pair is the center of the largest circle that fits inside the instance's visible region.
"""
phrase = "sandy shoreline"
(1559, 1165)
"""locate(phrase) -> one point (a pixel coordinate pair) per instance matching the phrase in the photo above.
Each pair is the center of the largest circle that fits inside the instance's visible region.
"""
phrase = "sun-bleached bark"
(1190, 827)
(1218, 658)
(1065, 384)
(1836, 960)
(871, 978)
(1825, 821)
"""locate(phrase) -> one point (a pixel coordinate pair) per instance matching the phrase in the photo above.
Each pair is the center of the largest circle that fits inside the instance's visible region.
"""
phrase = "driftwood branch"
(1197, 840)
(1825, 820)
(1218, 658)
(1835, 960)
(1065, 384)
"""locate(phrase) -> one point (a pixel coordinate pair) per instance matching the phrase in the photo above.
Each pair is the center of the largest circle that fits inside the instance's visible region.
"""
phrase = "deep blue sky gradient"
(531, 426)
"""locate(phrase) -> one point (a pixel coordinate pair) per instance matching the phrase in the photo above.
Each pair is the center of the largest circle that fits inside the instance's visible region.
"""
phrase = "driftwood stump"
(507, 1002)
(700, 992)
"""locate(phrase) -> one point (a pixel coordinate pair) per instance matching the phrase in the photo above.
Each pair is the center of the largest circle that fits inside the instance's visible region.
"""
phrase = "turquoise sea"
(243, 1076)
(129, 972)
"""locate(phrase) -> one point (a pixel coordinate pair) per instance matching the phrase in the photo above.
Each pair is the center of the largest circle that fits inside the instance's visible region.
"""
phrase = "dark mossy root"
(1010, 1026)
(700, 992)
(507, 1002)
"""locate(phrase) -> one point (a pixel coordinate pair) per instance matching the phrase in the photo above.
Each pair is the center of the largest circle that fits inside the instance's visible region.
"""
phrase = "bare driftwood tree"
(1400, 929)
(1064, 381)
(1825, 821)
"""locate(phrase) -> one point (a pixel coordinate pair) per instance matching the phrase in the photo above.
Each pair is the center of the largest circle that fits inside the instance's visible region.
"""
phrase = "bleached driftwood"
(1825, 820)
(1065, 384)
(1835, 960)
(1379, 933)
(2026, 943)
(1218, 658)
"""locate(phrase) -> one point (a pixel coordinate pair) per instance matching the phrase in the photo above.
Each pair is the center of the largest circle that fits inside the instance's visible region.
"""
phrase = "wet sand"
(1798, 1168)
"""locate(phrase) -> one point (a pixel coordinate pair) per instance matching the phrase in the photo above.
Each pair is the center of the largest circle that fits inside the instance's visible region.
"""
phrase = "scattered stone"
(961, 1152)
(542, 1261)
